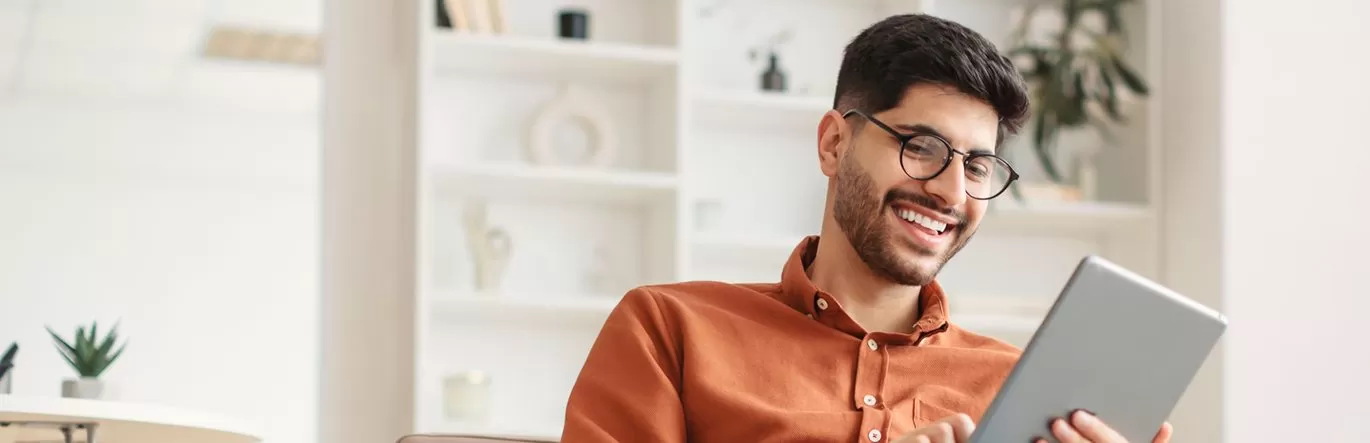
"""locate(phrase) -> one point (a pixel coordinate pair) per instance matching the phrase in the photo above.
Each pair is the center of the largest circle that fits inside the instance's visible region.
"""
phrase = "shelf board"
(507, 306)
(553, 182)
(758, 108)
(1067, 217)
(502, 55)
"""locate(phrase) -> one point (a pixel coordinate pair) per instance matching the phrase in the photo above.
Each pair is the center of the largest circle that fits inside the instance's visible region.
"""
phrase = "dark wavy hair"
(887, 58)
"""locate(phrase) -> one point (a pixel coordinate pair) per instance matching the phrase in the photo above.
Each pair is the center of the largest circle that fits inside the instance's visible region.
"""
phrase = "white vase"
(466, 397)
(84, 387)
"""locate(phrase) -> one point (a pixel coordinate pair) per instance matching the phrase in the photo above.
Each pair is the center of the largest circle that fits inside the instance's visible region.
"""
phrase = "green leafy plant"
(1078, 75)
(88, 354)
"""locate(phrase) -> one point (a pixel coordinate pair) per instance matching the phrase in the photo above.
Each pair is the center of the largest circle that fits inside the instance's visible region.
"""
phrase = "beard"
(861, 217)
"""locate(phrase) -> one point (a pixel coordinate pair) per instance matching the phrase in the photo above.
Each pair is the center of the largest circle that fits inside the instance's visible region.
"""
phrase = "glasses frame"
(904, 140)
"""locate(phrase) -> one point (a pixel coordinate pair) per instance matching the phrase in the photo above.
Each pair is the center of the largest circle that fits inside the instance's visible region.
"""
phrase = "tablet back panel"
(1114, 343)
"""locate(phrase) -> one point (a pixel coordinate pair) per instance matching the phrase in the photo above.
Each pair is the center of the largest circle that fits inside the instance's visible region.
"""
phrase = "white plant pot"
(84, 387)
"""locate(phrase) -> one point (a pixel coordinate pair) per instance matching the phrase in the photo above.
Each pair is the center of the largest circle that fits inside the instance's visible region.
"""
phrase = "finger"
(942, 432)
(1163, 436)
(1066, 433)
(962, 426)
(1094, 429)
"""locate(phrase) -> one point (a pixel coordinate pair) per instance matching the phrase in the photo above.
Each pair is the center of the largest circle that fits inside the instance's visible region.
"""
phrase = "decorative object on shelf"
(490, 248)
(90, 356)
(466, 397)
(471, 15)
(7, 367)
(1078, 77)
(573, 23)
(261, 45)
(571, 105)
(773, 78)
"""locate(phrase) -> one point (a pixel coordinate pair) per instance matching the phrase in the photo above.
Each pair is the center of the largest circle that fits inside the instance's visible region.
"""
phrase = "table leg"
(66, 428)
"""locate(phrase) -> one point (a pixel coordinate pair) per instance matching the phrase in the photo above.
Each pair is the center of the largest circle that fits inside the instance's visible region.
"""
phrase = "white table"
(42, 419)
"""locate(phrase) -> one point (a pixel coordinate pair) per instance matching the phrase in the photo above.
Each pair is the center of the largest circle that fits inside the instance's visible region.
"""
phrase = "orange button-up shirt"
(781, 362)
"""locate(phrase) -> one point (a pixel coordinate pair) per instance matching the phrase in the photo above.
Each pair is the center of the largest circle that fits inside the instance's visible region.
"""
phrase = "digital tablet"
(1114, 343)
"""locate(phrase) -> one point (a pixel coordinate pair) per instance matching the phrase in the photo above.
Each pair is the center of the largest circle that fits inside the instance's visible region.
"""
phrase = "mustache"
(927, 202)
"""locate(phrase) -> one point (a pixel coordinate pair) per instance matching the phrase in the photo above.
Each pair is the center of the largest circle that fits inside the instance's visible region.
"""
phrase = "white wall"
(141, 185)
(1294, 98)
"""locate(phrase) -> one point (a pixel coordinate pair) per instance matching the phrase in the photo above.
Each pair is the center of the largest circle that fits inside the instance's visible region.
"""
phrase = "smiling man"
(854, 341)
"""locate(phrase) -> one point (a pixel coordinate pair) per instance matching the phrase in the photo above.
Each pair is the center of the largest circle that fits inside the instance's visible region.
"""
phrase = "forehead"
(967, 122)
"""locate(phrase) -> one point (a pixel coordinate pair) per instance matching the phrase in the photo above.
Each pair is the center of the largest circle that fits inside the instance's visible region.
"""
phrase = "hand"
(953, 429)
(1084, 427)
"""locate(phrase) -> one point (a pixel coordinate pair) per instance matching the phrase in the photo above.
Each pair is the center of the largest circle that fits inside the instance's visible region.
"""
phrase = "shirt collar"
(800, 293)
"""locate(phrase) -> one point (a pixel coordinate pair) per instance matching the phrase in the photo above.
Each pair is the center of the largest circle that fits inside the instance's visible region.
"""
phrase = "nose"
(949, 186)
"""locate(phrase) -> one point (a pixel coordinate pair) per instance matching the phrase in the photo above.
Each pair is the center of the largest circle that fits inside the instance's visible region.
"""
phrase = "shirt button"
(871, 344)
(873, 435)
(822, 304)
(869, 400)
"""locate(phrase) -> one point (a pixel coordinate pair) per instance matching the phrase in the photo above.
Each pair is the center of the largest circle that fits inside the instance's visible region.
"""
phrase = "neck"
(873, 301)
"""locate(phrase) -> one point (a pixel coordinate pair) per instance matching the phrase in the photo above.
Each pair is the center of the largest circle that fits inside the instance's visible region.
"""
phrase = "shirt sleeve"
(629, 388)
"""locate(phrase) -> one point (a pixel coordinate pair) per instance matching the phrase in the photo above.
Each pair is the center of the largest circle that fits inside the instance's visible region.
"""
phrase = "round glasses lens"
(923, 156)
(986, 175)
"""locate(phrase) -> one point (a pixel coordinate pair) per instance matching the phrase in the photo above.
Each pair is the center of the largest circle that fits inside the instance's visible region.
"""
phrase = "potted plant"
(90, 355)
(1078, 76)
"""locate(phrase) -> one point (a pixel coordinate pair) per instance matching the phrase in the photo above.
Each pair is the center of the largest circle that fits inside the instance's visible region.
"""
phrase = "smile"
(928, 229)
(910, 216)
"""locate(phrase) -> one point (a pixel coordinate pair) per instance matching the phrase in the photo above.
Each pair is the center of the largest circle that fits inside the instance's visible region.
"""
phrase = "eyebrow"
(931, 130)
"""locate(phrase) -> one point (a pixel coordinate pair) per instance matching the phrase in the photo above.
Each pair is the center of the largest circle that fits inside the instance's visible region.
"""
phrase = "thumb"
(1163, 436)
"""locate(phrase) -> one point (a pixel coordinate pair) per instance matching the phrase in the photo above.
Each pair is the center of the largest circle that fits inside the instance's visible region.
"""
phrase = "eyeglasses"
(924, 156)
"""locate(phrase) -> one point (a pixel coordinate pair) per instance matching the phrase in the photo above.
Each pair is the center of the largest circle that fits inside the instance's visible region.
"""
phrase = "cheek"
(884, 173)
(975, 211)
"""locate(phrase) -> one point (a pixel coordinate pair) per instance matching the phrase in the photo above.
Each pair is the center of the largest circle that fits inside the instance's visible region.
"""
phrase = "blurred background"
(348, 220)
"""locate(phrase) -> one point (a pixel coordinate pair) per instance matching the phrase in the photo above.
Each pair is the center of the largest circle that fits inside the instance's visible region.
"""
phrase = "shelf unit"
(690, 127)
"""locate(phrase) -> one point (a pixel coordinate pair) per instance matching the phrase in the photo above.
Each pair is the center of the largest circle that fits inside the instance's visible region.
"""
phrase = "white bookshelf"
(713, 179)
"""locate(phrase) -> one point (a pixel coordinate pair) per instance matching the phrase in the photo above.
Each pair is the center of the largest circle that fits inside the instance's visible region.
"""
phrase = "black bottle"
(773, 79)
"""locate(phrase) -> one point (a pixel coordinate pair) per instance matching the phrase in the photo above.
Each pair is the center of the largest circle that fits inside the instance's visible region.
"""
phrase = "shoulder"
(704, 297)
(960, 337)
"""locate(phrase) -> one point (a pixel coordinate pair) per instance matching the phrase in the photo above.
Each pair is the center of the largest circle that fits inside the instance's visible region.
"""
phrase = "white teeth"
(915, 217)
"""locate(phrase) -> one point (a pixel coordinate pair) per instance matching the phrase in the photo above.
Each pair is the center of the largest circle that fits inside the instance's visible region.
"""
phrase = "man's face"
(884, 213)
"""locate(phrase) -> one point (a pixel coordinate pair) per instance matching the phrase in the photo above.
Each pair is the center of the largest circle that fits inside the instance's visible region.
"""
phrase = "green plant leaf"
(1130, 78)
(108, 342)
(88, 353)
(1043, 137)
(106, 362)
(1110, 95)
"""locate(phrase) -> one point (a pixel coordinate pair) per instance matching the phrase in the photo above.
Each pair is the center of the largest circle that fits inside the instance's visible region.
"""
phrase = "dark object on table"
(7, 360)
(573, 24)
(444, 20)
(773, 79)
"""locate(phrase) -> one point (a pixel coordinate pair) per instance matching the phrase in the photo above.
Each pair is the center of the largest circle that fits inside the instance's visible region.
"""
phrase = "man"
(854, 341)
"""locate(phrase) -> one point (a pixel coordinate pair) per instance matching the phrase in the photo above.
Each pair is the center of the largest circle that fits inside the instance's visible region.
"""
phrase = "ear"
(832, 142)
